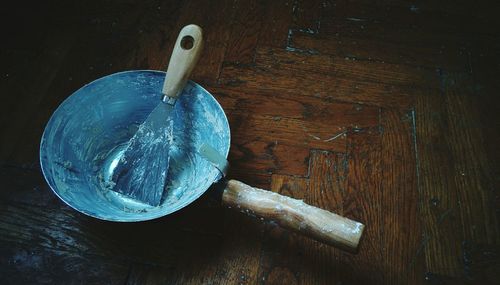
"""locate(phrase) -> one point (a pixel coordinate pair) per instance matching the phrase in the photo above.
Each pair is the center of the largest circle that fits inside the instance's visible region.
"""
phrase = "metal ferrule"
(168, 100)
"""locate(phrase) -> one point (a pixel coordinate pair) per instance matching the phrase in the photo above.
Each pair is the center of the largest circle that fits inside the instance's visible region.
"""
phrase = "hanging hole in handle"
(187, 42)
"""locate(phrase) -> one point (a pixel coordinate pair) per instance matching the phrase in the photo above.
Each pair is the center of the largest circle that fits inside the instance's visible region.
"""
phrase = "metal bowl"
(85, 135)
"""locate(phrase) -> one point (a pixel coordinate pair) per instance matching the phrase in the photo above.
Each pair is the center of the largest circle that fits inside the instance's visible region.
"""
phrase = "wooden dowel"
(295, 215)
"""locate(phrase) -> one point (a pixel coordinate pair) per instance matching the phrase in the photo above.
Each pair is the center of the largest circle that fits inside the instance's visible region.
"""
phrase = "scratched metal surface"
(91, 126)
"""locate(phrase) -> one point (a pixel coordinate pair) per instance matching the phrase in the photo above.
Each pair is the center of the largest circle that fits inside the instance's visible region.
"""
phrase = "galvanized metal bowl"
(83, 139)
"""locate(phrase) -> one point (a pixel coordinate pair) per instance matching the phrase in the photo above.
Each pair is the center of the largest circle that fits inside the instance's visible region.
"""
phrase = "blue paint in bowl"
(89, 129)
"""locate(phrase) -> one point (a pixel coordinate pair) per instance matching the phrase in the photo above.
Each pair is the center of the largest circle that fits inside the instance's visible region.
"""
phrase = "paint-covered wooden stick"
(295, 215)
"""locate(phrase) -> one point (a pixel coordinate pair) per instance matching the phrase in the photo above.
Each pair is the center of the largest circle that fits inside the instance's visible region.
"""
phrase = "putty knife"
(142, 171)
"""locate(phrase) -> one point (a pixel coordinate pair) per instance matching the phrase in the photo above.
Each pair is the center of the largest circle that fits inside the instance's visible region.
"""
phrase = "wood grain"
(462, 166)
(399, 190)
(315, 75)
(216, 22)
(244, 32)
(276, 21)
(383, 111)
(363, 198)
(283, 251)
(328, 189)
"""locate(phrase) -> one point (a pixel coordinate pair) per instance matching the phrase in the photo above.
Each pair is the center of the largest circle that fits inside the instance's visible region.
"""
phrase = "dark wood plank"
(313, 109)
(296, 124)
(216, 20)
(384, 111)
(317, 75)
(155, 35)
(436, 187)
(269, 158)
(401, 221)
(483, 74)
(470, 162)
(31, 265)
(391, 32)
(359, 47)
(302, 261)
(292, 132)
(281, 253)
(306, 14)
(245, 30)
(276, 22)
(390, 74)
(41, 71)
(449, 138)
(364, 200)
(287, 256)
(328, 190)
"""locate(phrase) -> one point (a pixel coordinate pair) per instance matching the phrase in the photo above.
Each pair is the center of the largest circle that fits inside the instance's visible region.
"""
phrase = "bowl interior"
(96, 121)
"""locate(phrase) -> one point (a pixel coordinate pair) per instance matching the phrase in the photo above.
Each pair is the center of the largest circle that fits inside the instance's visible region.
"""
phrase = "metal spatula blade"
(142, 171)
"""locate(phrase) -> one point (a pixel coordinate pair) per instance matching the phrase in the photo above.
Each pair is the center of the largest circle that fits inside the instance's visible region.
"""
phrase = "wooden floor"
(383, 111)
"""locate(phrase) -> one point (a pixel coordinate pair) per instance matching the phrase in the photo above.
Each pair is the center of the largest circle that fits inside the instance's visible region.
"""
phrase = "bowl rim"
(137, 217)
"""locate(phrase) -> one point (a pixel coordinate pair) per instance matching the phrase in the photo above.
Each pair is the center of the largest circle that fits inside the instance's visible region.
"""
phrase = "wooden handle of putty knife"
(186, 53)
(293, 214)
